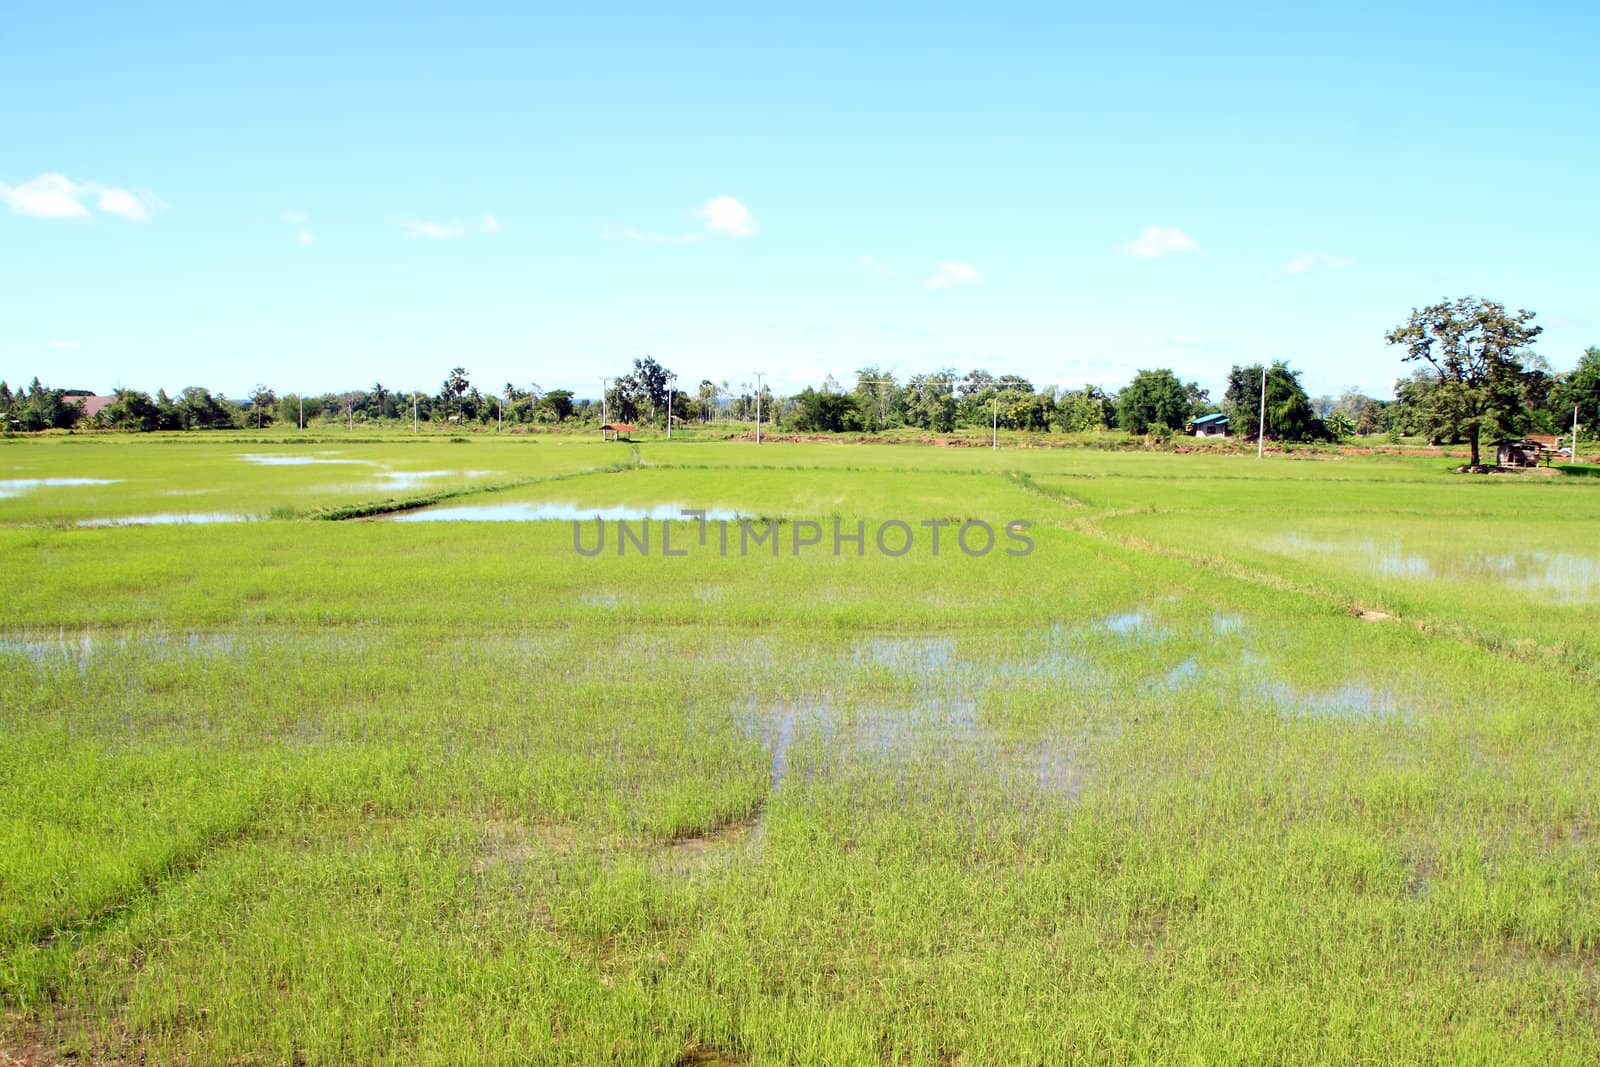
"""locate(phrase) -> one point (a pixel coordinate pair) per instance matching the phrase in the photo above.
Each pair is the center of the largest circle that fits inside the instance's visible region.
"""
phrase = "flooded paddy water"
(548, 511)
(170, 518)
(10, 487)
(1561, 577)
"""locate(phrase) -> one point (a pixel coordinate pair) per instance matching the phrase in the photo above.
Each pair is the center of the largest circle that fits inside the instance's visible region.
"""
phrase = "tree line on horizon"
(1474, 376)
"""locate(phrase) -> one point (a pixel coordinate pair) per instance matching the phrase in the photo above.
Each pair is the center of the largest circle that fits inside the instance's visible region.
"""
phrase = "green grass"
(295, 791)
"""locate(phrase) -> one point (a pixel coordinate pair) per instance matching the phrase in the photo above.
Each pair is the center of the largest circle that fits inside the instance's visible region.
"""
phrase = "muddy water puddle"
(722, 846)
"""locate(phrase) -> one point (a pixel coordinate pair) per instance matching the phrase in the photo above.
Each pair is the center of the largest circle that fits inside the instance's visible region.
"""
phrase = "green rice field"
(317, 749)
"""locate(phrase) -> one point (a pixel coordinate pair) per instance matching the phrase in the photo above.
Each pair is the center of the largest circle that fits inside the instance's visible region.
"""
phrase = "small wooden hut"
(1516, 452)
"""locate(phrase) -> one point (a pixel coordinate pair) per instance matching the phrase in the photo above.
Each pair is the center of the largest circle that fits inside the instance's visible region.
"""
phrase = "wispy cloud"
(1158, 241)
(872, 264)
(724, 214)
(720, 215)
(298, 219)
(449, 231)
(62, 344)
(1301, 262)
(55, 196)
(949, 275)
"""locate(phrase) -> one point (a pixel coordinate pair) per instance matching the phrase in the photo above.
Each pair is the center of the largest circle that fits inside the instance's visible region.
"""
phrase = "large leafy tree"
(131, 410)
(1581, 388)
(930, 401)
(622, 399)
(262, 400)
(1475, 349)
(1155, 398)
(558, 402)
(1363, 411)
(1082, 410)
(201, 409)
(1290, 416)
(1539, 387)
(42, 408)
(826, 412)
(879, 396)
(650, 382)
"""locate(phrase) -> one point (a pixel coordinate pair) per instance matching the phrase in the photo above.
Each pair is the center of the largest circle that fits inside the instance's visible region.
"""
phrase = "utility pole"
(994, 430)
(301, 418)
(413, 411)
(350, 413)
(760, 374)
(500, 413)
(603, 419)
(670, 379)
(1574, 433)
(1261, 428)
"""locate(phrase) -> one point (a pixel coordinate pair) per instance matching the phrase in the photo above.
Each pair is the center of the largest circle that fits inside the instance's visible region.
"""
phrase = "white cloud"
(871, 263)
(295, 217)
(448, 231)
(1301, 262)
(724, 214)
(437, 231)
(121, 202)
(1157, 241)
(49, 196)
(55, 196)
(304, 237)
(952, 274)
(62, 344)
(721, 214)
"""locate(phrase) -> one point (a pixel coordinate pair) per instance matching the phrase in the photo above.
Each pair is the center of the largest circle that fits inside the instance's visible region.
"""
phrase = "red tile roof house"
(92, 405)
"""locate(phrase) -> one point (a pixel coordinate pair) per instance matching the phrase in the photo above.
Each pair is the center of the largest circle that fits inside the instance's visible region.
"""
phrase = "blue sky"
(317, 199)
